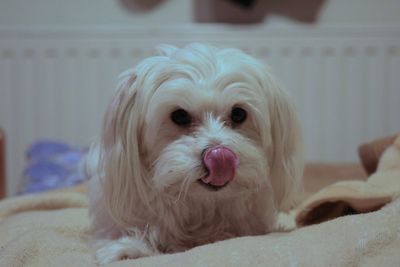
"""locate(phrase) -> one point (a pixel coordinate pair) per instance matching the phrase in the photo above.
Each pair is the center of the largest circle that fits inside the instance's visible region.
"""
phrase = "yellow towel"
(350, 197)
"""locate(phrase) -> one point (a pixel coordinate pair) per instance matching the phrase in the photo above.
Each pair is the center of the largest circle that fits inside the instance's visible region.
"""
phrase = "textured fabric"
(48, 229)
(51, 165)
(371, 152)
(51, 232)
(349, 197)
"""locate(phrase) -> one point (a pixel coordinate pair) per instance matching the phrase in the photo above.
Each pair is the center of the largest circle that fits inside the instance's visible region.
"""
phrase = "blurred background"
(59, 60)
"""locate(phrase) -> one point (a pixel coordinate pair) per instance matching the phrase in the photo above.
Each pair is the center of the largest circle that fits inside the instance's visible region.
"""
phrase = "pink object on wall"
(230, 12)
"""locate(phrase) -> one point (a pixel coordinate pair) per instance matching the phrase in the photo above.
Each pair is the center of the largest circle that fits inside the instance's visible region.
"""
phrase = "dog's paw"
(123, 248)
(285, 222)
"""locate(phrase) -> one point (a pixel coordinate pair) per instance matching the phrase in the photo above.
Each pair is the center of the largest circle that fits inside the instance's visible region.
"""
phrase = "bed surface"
(49, 229)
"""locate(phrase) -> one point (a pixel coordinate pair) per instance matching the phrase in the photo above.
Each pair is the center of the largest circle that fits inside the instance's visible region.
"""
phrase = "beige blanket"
(48, 230)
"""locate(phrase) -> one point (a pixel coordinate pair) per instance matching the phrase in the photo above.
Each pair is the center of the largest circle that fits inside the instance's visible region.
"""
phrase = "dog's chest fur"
(185, 225)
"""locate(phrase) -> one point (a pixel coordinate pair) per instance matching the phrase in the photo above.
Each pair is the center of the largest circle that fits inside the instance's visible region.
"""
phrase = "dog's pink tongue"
(221, 163)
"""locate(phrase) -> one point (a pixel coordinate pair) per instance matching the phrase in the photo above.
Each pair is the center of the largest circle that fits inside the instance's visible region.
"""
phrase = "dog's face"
(201, 122)
(203, 128)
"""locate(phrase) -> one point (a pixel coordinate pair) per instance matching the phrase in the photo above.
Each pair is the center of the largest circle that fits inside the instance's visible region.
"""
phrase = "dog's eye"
(238, 115)
(181, 117)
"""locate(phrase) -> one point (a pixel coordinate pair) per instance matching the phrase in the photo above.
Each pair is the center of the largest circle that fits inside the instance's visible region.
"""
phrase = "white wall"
(361, 12)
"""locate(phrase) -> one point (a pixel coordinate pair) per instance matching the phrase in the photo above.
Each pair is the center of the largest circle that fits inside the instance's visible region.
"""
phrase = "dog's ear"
(116, 117)
(121, 169)
(286, 168)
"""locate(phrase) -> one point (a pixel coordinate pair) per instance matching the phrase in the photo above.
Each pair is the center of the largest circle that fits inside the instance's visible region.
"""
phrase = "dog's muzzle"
(221, 163)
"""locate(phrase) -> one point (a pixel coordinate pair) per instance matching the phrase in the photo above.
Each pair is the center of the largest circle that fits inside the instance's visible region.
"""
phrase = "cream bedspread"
(49, 230)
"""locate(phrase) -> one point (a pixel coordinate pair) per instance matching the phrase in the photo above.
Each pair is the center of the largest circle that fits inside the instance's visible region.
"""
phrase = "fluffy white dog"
(199, 144)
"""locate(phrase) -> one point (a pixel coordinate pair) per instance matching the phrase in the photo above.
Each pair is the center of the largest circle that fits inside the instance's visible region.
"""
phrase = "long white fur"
(144, 195)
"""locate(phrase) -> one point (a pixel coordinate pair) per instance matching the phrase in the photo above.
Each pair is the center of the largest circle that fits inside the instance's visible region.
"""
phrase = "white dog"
(199, 144)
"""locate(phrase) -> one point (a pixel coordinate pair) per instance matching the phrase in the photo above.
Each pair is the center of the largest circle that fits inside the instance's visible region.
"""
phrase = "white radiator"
(56, 82)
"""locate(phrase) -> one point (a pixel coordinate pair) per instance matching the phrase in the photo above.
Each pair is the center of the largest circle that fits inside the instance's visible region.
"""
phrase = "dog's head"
(200, 122)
